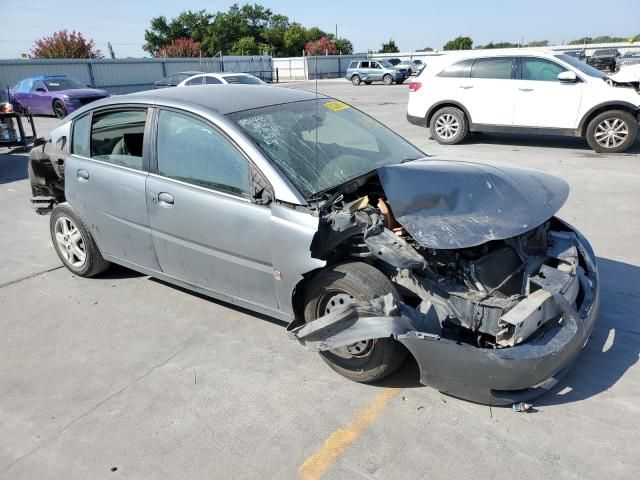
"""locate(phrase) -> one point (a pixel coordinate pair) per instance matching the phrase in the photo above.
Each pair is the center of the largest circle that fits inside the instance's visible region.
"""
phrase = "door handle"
(165, 198)
(526, 89)
(466, 87)
(82, 175)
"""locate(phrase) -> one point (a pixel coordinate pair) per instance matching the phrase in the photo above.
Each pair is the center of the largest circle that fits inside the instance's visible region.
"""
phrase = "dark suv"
(604, 59)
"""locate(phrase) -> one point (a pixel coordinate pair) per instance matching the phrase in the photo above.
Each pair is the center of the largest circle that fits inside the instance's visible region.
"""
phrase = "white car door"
(542, 100)
(490, 91)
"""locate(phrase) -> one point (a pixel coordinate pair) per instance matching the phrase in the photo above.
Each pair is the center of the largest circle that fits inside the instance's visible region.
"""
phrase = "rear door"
(105, 181)
(206, 229)
(542, 100)
(490, 90)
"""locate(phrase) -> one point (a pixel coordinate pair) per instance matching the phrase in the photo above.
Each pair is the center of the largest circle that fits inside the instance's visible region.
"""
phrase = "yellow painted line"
(317, 464)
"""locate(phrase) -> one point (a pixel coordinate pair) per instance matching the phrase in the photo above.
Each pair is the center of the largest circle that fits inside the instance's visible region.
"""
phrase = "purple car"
(56, 95)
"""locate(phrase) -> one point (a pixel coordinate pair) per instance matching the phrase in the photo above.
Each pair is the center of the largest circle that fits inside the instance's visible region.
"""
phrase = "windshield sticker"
(52, 84)
(261, 125)
(336, 106)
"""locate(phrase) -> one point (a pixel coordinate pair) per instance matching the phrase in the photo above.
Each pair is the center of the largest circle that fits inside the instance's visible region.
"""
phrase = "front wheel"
(367, 360)
(355, 80)
(59, 110)
(387, 79)
(612, 132)
(74, 244)
(449, 126)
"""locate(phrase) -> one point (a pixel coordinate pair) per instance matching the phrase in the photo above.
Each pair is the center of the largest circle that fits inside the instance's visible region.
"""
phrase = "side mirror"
(40, 89)
(567, 77)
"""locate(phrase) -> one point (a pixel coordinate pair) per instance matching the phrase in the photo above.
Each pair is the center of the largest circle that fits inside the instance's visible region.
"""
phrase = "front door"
(105, 181)
(544, 101)
(206, 229)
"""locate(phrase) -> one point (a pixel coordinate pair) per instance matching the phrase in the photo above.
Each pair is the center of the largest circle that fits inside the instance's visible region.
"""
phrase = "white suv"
(523, 92)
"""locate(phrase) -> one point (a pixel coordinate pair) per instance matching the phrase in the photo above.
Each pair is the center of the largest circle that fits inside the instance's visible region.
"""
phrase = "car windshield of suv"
(604, 53)
(58, 84)
(320, 144)
(243, 79)
(583, 67)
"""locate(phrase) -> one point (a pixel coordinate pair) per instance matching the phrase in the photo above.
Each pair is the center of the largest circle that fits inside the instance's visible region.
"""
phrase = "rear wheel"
(59, 110)
(612, 132)
(334, 287)
(355, 80)
(449, 126)
(387, 79)
(74, 244)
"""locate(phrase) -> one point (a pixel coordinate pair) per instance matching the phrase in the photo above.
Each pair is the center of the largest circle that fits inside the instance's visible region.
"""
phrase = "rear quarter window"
(457, 70)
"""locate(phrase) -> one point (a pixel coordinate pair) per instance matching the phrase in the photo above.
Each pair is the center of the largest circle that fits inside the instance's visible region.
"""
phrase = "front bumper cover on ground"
(483, 375)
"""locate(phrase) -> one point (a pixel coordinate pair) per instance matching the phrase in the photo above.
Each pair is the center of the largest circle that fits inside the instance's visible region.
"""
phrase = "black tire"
(387, 79)
(59, 110)
(368, 82)
(400, 82)
(362, 282)
(598, 139)
(93, 263)
(457, 121)
(355, 79)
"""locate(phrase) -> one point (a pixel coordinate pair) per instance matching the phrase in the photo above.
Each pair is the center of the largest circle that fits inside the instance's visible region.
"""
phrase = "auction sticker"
(336, 106)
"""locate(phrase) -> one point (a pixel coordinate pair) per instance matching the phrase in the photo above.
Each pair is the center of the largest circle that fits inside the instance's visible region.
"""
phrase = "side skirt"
(482, 127)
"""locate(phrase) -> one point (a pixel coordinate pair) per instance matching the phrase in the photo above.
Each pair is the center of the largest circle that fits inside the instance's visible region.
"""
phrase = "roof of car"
(46, 77)
(221, 98)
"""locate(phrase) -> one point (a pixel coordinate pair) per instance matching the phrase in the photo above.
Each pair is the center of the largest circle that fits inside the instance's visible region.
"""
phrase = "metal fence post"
(93, 80)
(164, 68)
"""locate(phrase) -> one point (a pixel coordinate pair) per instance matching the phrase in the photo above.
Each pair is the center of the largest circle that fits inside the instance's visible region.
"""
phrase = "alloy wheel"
(611, 132)
(447, 126)
(70, 242)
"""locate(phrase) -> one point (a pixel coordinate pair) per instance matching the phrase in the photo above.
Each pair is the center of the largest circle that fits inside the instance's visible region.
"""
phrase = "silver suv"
(369, 71)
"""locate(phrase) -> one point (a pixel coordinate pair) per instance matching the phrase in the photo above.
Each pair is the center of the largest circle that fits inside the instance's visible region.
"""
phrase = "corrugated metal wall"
(118, 76)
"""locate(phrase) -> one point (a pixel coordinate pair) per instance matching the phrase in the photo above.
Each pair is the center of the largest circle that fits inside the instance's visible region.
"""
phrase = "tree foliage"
(459, 43)
(322, 46)
(600, 39)
(63, 44)
(248, 28)
(181, 48)
(389, 47)
(425, 49)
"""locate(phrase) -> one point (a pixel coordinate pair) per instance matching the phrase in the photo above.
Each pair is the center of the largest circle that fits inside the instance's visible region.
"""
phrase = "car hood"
(82, 92)
(457, 204)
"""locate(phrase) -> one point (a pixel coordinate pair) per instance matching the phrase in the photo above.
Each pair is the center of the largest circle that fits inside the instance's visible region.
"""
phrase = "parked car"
(174, 79)
(369, 71)
(56, 95)
(393, 61)
(604, 59)
(414, 66)
(301, 207)
(577, 53)
(221, 78)
(519, 91)
(631, 57)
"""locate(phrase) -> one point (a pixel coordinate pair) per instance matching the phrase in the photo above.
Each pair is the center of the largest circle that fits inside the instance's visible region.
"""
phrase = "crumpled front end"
(496, 320)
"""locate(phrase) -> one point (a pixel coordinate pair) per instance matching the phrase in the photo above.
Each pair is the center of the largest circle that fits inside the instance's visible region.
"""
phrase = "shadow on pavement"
(13, 165)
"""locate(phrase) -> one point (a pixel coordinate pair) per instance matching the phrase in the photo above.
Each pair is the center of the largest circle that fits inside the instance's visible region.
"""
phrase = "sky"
(367, 24)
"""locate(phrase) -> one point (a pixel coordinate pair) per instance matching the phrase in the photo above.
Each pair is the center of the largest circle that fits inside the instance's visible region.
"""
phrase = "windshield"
(63, 84)
(322, 143)
(583, 67)
(385, 64)
(243, 79)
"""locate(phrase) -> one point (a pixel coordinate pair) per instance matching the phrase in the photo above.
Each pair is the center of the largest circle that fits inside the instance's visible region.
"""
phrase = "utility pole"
(113, 55)
(336, 31)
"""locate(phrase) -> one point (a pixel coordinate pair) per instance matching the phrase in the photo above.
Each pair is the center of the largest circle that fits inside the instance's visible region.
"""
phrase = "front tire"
(387, 79)
(449, 126)
(356, 80)
(614, 131)
(74, 244)
(365, 361)
(59, 110)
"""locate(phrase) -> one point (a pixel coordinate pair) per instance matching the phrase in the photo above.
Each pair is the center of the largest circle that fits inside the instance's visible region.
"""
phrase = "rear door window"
(212, 81)
(540, 69)
(497, 68)
(118, 137)
(195, 81)
(194, 152)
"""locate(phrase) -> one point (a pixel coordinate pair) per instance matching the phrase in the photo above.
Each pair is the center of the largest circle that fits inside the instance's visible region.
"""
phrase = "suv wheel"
(449, 126)
(612, 132)
(387, 79)
(355, 80)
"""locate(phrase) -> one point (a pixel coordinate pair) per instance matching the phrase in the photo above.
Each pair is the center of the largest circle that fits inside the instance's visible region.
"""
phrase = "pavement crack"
(47, 441)
(28, 277)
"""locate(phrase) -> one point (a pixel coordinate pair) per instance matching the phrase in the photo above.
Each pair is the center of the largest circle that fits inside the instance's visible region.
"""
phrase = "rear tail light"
(414, 86)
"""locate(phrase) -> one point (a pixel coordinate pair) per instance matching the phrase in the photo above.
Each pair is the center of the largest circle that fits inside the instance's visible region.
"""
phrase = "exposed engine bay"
(494, 295)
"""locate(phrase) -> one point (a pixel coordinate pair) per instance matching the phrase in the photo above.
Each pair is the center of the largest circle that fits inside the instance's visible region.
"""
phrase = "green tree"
(425, 49)
(500, 45)
(344, 46)
(245, 46)
(295, 38)
(187, 24)
(459, 43)
(389, 47)
(314, 34)
(274, 33)
(538, 43)
(636, 38)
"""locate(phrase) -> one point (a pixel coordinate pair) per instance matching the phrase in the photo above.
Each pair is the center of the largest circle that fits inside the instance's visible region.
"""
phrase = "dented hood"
(456, 204)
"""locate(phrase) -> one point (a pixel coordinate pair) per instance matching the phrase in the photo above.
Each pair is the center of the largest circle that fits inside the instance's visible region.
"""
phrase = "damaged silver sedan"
(302, 207)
